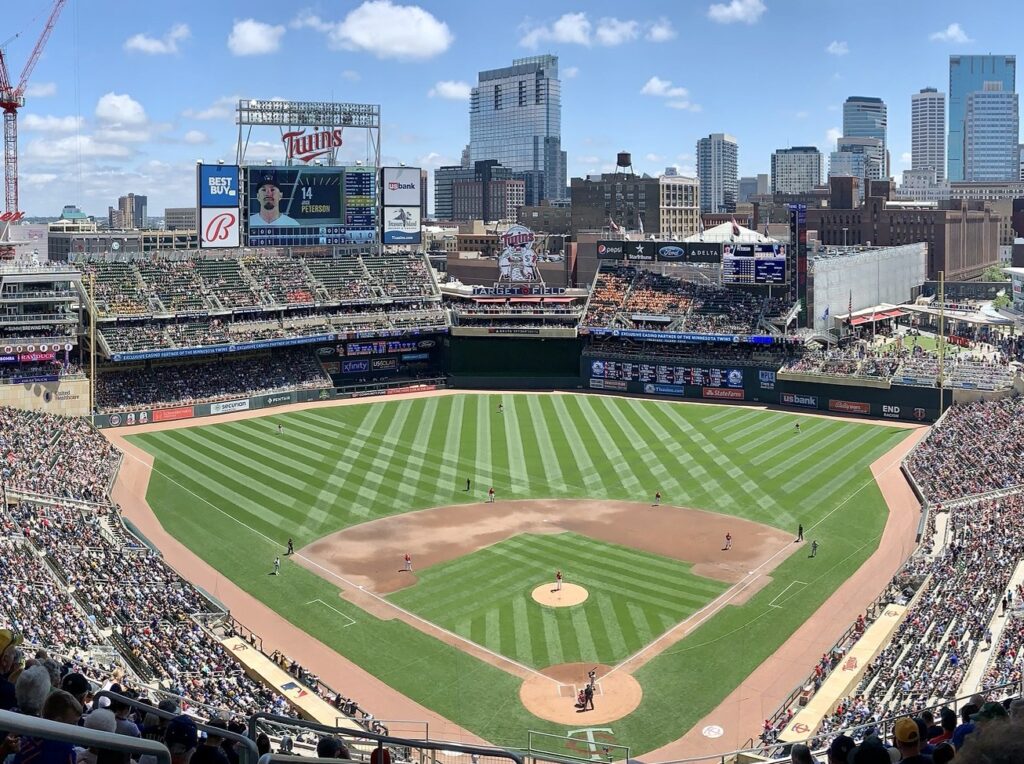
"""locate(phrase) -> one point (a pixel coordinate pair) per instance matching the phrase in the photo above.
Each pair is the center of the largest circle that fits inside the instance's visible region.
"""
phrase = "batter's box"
(567, 691)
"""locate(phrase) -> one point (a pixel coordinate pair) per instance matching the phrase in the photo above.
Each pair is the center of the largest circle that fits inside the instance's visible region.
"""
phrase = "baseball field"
(356, 486)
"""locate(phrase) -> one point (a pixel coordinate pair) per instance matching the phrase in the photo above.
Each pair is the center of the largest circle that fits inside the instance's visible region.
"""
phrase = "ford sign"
(671, 253)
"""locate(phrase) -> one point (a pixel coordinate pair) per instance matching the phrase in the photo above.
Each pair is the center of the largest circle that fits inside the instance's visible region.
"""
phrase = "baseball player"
(797, 428)
(558, 580)
(800, 532)
(280, 429)
(501, 408)
(490, 495)
(291, 548)
(277, 566)
(657, 498)
(728, 541)
(408, 563)
(814, 548)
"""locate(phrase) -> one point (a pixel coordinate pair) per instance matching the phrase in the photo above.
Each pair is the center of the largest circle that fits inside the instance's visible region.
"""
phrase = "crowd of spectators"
(220, 379)
(737, 354)
(954, 587)
(857, 361)
(55, 456)
(636, 298)
(976, 448)
(45, 369)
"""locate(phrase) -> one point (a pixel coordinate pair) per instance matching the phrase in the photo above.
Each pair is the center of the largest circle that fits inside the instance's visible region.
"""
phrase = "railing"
(31, 726)
(248, 754)
(368, 743)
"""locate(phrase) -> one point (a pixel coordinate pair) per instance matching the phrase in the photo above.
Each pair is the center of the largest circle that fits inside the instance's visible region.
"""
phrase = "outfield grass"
(486, 597)
(234, 492)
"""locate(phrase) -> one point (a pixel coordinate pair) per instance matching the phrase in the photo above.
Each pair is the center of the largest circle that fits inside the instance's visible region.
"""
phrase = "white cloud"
(222, 108)
(744, 11)
(122, 135)
(71, 148)
(118, 109)
(570, 72)
(612, 31)
(837, 48)
(588, 160)
(654, 157)
(906, 158)
(684, 105)
(50, 124)
(833, 135)
(684, 157)
(452, 90)
(351, 75)
(154, 46)
(385, 29)
(656, 86)
(250, 37)
(661, 31)
(571, 28)
(953, 33)
(41, 89)
(432, 160)
(195, 137)
(37, 178)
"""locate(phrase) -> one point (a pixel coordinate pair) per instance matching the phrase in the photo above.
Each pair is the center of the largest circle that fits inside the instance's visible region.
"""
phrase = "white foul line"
(351, 620)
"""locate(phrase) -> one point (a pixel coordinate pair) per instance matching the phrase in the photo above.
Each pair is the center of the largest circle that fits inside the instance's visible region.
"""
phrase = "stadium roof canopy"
(726, 232)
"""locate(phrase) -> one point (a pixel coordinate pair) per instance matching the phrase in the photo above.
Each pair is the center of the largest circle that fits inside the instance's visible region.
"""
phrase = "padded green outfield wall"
(515, 357)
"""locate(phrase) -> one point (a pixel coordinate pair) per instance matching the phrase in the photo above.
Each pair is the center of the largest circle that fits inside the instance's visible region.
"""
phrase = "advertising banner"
(660, 251)
(277, 399)
(767, 379)
(218, 185)
(169, 415)
(8, 358)
(401, 186)
(36, 378)
(401, 225)
(656, 336)
(849, 407)
(384, 364)
(229, 406)
(218, 228)
(794, 399)
(610, 250)
(37, 356)
(360, 366)
(722, 393)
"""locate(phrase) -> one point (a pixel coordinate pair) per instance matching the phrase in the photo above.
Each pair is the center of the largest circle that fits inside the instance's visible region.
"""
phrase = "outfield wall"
(733, 383)
(268, 400)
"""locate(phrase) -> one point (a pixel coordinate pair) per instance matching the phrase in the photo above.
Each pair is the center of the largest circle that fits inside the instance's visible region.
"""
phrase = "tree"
(994, 273)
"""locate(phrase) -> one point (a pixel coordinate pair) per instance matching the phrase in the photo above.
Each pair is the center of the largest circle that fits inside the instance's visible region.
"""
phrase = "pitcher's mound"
(571, 594)
(552, 695)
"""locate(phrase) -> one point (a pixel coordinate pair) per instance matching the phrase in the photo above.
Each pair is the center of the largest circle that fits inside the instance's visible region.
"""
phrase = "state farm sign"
(298, 144)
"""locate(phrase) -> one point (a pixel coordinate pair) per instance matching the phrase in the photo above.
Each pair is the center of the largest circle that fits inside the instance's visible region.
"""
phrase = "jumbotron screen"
(301, 206)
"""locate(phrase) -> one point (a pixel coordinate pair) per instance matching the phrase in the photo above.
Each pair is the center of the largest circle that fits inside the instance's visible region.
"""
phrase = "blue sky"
(128, 95)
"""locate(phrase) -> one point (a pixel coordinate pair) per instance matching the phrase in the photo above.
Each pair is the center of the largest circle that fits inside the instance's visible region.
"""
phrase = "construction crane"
(12, 98)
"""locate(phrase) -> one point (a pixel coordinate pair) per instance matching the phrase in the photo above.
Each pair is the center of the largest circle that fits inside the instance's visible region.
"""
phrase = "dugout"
(513, 363)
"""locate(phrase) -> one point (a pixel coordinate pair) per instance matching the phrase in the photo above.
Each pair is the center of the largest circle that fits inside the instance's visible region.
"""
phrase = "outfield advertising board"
(226, 407)
(660, 251)
(400, 186)
(219, 228)
(401, 225)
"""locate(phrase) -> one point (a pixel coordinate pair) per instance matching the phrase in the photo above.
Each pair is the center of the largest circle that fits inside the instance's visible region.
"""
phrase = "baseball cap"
(9, 638)
(182, 731)
(101, 719)
(989, 711)
(906, 731)
(76, 684)
(841, 747)
(268, 178)
(168, 705)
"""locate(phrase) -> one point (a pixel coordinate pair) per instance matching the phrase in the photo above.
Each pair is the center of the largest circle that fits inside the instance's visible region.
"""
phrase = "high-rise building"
(867, 117)
(132, 209)
(859, 158)
(717, 157)
(515, 117)
(679, 206)
(991, 134)
(423, 194)
(629, 201)
(746, 188)
(928, 132)
(180, 218)
(478, 193)
(796, 170)
(968, 74)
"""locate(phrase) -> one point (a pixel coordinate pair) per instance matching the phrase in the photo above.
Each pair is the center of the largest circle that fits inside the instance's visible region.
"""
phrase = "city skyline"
(135, 108)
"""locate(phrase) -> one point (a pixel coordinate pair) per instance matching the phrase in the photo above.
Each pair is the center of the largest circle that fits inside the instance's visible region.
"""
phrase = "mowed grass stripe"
(653, 446)
(596, 454)
(576, 457)
(834, 458)
(540, 433)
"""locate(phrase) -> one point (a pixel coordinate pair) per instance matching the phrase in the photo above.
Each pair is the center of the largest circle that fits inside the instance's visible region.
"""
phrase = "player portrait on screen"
(269, 197)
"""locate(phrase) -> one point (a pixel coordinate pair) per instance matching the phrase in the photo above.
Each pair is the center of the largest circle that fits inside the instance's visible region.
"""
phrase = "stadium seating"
(343, 279)
(120, 290)
(225, 280)
(173, 385)
(285, 280)
(635, 298)
(176, 284)
(399, 275)
(975, 449)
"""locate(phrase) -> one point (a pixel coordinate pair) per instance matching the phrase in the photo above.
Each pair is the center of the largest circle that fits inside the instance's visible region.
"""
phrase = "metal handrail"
(381, 740)
(33, 726)
(248, 753)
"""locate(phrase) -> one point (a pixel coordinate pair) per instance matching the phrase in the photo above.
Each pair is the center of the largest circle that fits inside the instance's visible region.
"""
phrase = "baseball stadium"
(607, 500)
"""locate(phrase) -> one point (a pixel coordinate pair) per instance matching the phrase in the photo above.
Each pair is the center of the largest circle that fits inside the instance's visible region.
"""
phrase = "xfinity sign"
(401, 186)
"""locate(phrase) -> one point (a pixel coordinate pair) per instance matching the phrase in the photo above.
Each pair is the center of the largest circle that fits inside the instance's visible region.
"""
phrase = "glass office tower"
(991, 130)
(968, 74)
(866, 117)
(515, 117)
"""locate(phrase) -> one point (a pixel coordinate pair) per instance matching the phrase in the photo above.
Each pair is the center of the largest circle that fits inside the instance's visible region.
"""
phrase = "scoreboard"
(757, 264)
(667, 374)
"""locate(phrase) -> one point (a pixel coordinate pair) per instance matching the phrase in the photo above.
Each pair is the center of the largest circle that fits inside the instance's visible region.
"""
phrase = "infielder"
(408, 563)
(277, 566)
(728, 541)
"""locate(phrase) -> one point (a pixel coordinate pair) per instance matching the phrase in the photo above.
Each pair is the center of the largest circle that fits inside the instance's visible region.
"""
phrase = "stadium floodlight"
(220, 162)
